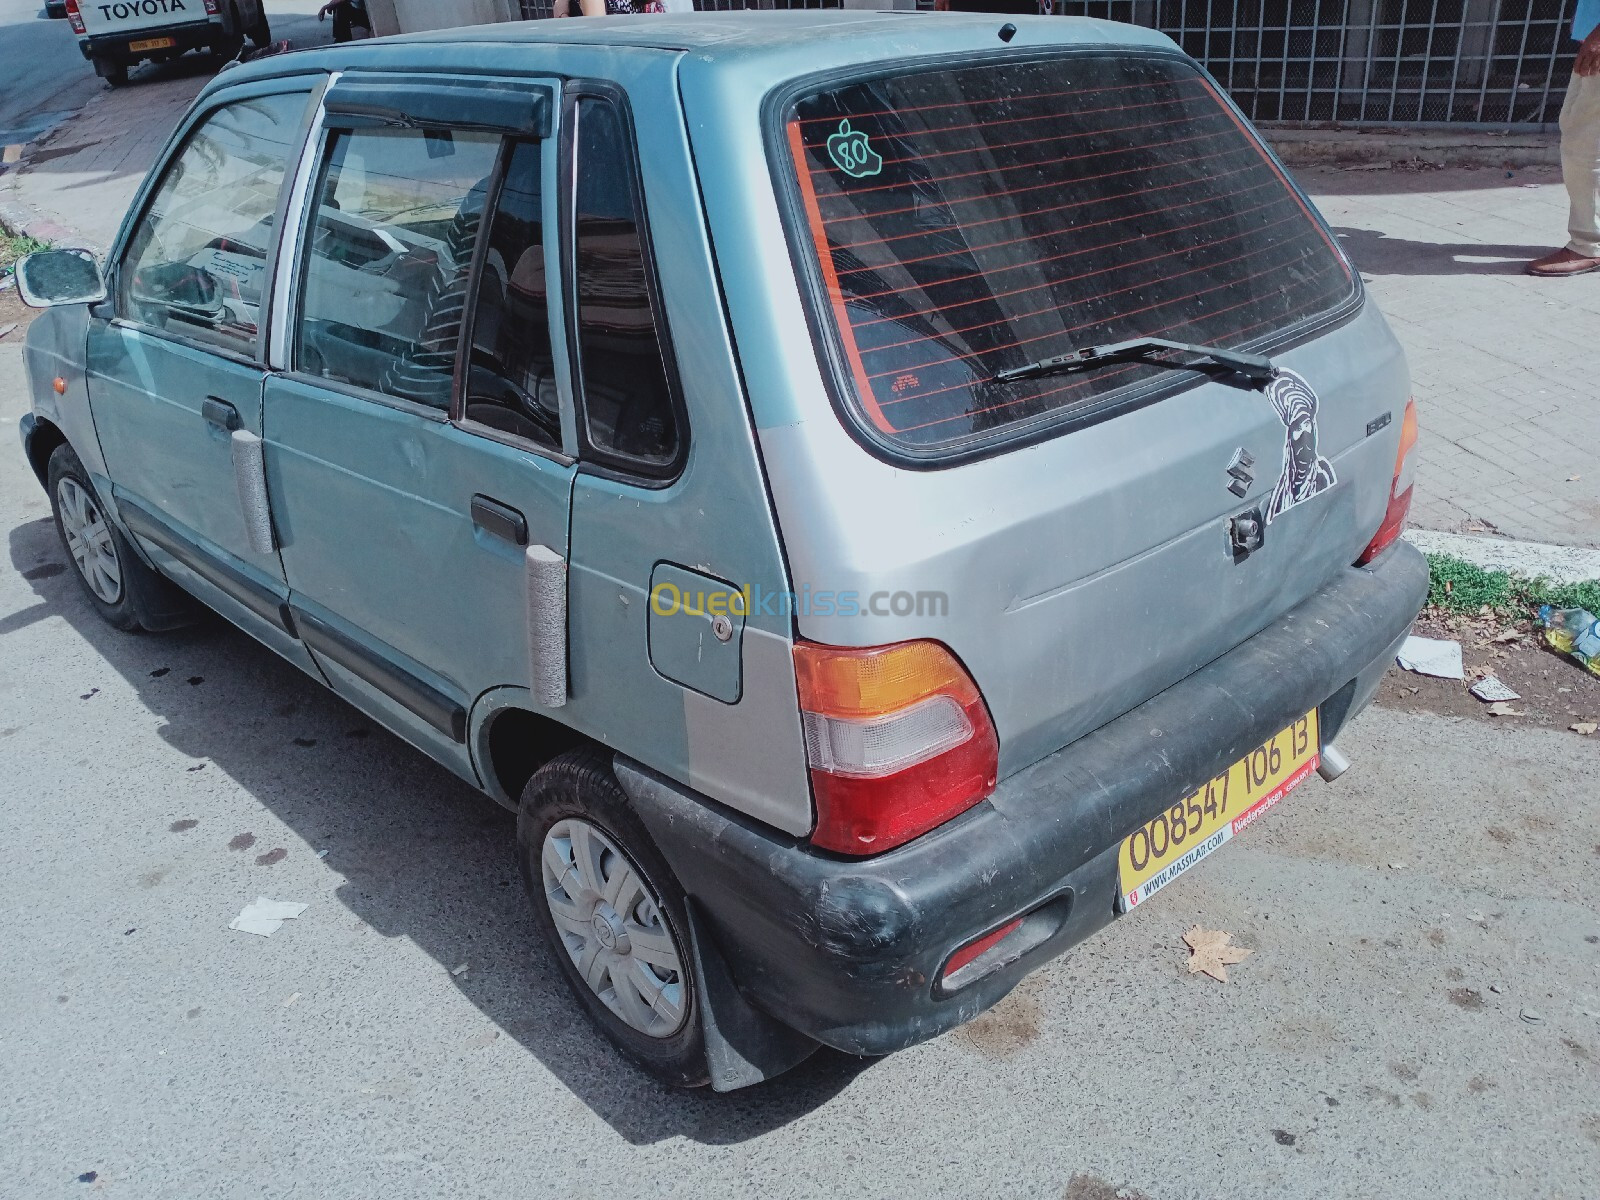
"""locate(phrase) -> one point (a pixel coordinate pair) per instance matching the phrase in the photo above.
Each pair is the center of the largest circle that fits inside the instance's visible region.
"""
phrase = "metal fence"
(1503, 63)
(1384, 62)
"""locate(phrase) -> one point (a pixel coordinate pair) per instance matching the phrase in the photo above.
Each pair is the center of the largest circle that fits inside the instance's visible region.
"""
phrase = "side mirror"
(50, 277)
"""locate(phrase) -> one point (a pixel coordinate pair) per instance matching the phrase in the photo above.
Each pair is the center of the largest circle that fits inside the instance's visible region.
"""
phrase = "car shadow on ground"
(1376, 253)
(422, 855)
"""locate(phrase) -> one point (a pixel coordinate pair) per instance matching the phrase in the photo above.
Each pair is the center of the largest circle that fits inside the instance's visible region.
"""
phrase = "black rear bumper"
(849, 952)
(115, 46)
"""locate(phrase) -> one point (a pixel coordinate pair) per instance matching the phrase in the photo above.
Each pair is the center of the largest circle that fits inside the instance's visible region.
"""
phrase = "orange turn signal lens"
(60, 385)
(841, 681)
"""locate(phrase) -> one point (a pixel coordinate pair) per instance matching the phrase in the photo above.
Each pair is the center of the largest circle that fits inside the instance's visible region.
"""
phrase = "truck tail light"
(74, 17)
(898, 740)
(213, 7)
(1405, 476)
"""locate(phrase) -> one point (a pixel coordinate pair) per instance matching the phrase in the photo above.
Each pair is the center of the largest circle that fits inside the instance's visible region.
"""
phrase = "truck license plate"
(153, 44)
(1156, 853)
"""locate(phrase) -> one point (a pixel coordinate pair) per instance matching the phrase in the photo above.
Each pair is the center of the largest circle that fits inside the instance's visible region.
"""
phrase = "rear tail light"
(1405, 475)
(213, 7)
(74, 17)
(898, 740)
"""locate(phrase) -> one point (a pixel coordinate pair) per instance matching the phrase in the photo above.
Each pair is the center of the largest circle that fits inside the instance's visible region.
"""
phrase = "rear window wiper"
(1255, 367)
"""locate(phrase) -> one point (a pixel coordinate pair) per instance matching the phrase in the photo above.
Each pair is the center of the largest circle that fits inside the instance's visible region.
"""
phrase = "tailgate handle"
(220, 413)
(500, 520)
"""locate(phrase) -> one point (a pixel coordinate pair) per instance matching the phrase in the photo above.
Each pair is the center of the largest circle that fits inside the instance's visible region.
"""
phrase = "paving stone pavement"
(1502, 364)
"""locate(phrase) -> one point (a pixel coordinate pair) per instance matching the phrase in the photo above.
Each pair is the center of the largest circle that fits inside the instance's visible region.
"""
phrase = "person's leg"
(1580, 162)
(341, 23)
(1580, 170)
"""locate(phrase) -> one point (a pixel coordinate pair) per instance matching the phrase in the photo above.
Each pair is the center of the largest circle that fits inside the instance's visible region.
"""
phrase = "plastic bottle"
(1573, 631)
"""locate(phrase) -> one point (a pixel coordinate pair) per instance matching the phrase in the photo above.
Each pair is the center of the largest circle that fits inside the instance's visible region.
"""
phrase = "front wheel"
(126, 592)
(613, 913)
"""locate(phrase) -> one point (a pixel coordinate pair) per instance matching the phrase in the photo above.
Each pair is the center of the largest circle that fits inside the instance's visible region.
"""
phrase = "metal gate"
(1372, 62)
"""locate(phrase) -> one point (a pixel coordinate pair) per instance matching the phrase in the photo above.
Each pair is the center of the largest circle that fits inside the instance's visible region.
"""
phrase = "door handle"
(220, 413)
(500, 520)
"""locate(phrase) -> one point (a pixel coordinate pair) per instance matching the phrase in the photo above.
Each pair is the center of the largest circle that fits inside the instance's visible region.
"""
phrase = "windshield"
(969, 221)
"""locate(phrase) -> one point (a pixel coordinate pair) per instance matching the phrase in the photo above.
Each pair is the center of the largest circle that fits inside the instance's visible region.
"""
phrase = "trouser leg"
(1580, 162)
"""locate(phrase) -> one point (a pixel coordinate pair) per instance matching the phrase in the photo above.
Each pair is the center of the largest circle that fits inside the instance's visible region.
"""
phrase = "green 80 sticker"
(852, 153)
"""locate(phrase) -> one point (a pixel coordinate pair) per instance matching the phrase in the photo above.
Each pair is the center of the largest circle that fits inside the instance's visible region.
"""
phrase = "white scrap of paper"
(264, 917)
(1432, 656)
(1490, 689)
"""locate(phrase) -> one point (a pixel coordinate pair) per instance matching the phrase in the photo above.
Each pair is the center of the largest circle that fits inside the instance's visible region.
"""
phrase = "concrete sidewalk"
(1504, 385)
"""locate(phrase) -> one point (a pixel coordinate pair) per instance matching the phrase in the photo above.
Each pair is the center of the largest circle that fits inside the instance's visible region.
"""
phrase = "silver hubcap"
(89, 540)
(612, 927)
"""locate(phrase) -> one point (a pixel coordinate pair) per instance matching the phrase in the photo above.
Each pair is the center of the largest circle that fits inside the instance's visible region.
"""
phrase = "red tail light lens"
(75, 17)
(898, 740)
(213, 7)
(1405, 474)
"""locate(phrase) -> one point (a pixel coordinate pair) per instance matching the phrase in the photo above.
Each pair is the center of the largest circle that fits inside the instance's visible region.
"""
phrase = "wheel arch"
(43, 441)
(510, 741)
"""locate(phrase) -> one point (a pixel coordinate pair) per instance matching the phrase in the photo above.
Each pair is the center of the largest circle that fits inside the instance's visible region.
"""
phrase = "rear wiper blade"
(1255, 367)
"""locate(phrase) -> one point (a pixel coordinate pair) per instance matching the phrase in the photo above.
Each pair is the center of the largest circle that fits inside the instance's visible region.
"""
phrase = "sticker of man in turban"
(1305, 472)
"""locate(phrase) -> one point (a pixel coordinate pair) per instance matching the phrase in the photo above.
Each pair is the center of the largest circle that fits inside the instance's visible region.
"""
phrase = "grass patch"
(1457, 586)
(14, 246)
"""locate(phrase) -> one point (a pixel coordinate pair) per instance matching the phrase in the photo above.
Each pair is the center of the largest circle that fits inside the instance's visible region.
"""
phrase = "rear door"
(175, 356)
(957, 222)
(416, 442)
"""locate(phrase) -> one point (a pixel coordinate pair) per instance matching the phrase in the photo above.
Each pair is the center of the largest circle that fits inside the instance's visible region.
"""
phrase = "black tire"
(144, 600)
(113, 72)
(580, 784)
(261, 31)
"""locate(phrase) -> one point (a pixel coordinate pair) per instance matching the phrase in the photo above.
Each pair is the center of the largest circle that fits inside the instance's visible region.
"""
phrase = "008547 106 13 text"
(1163, 848)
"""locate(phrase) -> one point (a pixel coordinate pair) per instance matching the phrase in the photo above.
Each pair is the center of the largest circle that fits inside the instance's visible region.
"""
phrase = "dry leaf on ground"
(1503, 708)
(1209, 952)
(1584, 727)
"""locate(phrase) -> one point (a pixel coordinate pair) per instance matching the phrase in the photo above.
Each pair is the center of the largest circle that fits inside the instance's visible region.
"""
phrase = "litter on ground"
(1432, 656)
(1490, 689)
(265, 917)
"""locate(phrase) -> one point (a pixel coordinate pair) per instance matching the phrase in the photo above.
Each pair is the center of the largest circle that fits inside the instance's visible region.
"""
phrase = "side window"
(510, 379)
(196, 264)
(396, 220)
(627, 403)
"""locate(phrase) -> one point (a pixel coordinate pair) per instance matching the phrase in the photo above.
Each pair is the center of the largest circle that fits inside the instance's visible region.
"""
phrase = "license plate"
(1156, 853)
(153, 44)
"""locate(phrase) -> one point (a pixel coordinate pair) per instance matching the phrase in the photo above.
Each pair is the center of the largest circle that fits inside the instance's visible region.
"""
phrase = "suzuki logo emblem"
(1240, 475)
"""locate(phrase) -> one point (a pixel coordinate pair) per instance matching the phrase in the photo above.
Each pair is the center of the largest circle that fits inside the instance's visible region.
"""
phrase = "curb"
(1375, 149)
(1559, 564)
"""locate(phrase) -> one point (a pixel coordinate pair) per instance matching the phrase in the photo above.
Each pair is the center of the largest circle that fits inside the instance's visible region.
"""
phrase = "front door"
(415, 445)
(175, 370)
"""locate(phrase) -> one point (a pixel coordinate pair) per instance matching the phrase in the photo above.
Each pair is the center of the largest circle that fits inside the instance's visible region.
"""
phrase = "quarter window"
(628, 407)
(398, 213)
(196, 264)
(510, 380)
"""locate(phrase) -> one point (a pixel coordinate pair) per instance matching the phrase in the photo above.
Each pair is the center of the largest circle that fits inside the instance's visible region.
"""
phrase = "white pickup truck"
(117, 34)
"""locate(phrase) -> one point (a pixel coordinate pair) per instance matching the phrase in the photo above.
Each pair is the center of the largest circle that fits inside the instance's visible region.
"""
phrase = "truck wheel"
(613, 913)
(261, 32)
(113, 71)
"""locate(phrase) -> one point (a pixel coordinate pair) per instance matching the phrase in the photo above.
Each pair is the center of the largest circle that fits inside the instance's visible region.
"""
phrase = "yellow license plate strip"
(1156, 853)
(152, 44)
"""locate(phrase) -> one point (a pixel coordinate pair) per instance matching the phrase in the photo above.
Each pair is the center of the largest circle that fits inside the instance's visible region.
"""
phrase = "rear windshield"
(965, 221)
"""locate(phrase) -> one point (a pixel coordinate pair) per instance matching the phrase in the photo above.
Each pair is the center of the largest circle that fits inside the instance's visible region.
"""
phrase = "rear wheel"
(613, 913)
(113, 71)
(261, 31)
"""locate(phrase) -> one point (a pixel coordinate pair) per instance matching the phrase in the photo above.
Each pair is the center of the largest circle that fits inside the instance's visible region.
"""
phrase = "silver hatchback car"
(879, 495)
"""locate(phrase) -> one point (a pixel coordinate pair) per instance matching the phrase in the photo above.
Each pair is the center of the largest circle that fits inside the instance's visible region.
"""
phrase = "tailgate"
(958, 222)
(138, 16)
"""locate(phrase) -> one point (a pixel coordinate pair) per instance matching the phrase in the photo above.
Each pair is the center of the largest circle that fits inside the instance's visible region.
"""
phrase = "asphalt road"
(43, 77)
(1407, 924)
